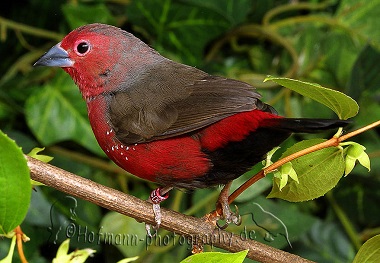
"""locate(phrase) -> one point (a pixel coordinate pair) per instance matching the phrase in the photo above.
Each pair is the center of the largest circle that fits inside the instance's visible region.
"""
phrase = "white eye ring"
(82, 48)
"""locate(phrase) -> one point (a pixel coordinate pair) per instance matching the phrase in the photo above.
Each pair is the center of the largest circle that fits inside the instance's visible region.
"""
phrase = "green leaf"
(369, 252)
(63, 249)
(326, 242)
(364, 85)
(361, 19)
(127, 260)
(15, 187)
(365, 75)
(307, 48)
(44, 158)
(233, 11)
(356, 152)
(280, 179)
(318, 172)
(8, 258)
(79, 14)
(288, 169)
(77, 256)
(35, 154)
(56, 112)
(339, 53)
(186, 27)
(283, 181)
(282, 175)
(268, 159)
(213, 257)
(344, 106)
(124, 232)
(273, 222)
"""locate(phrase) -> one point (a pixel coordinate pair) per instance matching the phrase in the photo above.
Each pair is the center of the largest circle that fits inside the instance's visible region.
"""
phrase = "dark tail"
(304, 125)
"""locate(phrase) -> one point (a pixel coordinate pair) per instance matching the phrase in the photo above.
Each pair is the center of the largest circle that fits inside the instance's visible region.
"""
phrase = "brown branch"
(191, 227)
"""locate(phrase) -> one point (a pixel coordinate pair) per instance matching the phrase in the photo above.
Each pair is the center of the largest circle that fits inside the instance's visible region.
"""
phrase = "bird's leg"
(156, 197)
(227, 214)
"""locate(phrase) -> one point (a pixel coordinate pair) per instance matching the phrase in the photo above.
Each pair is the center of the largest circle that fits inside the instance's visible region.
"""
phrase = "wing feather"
(172, 99)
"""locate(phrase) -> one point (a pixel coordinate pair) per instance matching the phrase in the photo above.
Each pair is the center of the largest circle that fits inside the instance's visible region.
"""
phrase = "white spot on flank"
(126, 158)
(112, 148)
(127, 148)
(109, 132)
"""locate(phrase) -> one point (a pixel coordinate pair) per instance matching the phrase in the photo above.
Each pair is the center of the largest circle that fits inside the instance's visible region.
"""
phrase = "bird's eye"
(82, 48)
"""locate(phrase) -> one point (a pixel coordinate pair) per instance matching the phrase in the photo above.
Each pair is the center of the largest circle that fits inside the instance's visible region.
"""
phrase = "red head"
(96, 54)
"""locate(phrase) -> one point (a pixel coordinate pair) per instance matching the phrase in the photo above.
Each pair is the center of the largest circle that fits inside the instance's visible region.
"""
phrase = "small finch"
(167, 122)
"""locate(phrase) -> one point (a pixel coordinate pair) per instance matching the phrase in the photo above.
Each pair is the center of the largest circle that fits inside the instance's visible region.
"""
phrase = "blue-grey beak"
(55, 57)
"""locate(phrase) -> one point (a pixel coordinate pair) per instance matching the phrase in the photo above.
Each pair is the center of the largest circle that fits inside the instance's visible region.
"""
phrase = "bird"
(167, 122)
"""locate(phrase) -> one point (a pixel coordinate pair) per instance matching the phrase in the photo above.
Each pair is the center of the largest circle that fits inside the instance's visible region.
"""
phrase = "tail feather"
(305, 125)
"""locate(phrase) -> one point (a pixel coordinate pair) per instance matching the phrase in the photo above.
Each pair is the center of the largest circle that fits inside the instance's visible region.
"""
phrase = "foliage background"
(333, 43)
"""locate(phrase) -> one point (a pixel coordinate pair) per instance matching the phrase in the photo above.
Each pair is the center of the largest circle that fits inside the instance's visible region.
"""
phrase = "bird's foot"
(229, 217)
(156, 197)
(227, 214)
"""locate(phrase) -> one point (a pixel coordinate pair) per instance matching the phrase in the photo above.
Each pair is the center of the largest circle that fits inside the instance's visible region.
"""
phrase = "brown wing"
(173, 99)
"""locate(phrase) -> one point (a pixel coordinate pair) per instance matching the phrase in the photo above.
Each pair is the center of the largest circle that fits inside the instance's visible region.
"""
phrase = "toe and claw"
(227, 215)
(156, 197)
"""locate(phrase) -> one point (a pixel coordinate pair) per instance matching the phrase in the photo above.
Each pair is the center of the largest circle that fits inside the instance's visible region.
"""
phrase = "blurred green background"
(333, 43)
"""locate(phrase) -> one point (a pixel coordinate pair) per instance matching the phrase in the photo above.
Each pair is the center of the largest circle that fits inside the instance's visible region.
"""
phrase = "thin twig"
(19, 241)
(6, 23)
(292, 7)
(358, 131)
